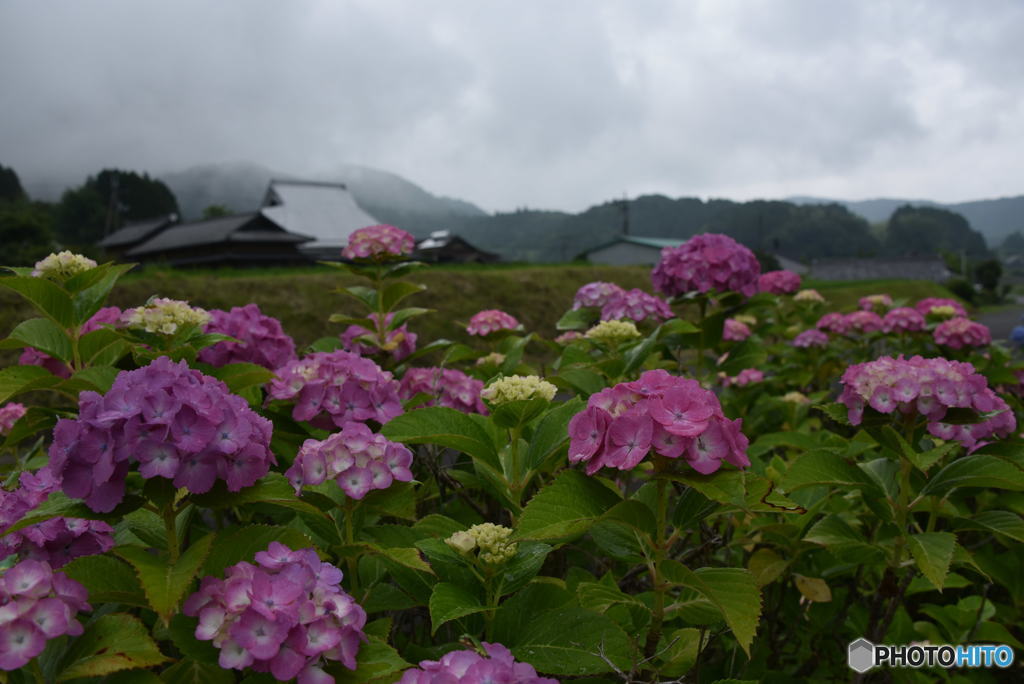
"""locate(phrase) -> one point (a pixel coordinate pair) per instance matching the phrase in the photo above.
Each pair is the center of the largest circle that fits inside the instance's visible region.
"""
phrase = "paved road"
(1003, 321)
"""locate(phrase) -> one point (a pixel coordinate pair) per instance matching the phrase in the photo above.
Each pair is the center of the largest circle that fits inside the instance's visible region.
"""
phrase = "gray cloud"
(509, 104)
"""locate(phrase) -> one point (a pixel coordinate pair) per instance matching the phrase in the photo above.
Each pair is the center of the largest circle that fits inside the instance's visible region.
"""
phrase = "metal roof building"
(629, 250)
(124, 239)
(327, 212)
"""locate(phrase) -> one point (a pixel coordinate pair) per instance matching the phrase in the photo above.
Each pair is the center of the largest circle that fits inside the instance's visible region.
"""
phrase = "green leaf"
(110, 644)
(273, 489)
(445, 427)
(524, 566)
(747, 354)
(933, 551)
(580, 379)
(636, 355)
(95, 378)
(723, 486)
(832, 530)
(41, 334)
(823, 467)
(107, 579)
(578, 319)
(402, 315)
(103, 347)
(90, 293)
(766, 566)
(732, 590)
(566, 508)
(48, 298)
(182, 632)
(450, 602)
(568, 641)
(17, 379)
(552, 433)
(519, 412)
(396, 291)
(405, 556)
(243, 543)
(165, 584)
(978, 470)
(240, 376)
(190, 671)
(366, 295)
(377, 662)
(59, 505)
(1003, 522)
(835, 411)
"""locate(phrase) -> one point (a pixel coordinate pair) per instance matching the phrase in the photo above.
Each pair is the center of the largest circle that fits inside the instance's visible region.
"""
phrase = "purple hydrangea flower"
(779, 282)
(674, 416)
(928, 387)
(706, 262)
(356, 458)
(875, 302)
(36, 605)
(490, 320)
(903, 319)
(336, 388)
(635, 304)
(174, 422)
(399, 342)
(470, 667)
(747, 376)
(810, 338)
(286, 615)
(957, 333)
(862, 322)
(32, 357)
(449, 387)
(263, 340)
(735, 331)
(595, 294)
(926, 305)
(833, 322)
(378, 242)
(9, 415)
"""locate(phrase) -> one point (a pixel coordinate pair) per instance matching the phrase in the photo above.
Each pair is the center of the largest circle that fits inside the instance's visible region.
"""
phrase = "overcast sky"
(547, 104)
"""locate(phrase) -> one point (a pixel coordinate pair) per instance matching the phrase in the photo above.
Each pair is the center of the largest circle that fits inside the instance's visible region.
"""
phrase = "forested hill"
(802, 232)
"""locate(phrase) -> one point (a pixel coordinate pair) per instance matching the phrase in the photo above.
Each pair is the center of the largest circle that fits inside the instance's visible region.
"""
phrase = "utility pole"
(113, 205)
(624, 206)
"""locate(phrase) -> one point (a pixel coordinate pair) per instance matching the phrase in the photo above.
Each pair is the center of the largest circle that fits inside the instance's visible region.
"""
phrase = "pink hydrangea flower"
(490, 320)
(36, 605)
(32, 357)
(337, 388)
(810, 338)
(675, 417)
(903, 320)
(170, 420)
(862, 322)
(928, 387)
(449, 387)
(356, 458)
(568, 337)
(9, 415)
(635, 304)
(595, 294)
(779, 282)
(735, 331)
(378, 242)
(834, 322)
(875, 302)
(957, 333)
(926, 305)
(263, 340)
(706, 262)
(399, 342)
(747, 376)
(470, 667)
(286, 615)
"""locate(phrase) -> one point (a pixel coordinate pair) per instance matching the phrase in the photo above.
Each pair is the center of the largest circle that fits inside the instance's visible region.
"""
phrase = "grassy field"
(304, 298)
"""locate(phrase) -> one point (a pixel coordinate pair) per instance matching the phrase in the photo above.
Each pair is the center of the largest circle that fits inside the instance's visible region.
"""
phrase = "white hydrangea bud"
(517, 388)
(613, 331)
(165, 316)
(62, 265)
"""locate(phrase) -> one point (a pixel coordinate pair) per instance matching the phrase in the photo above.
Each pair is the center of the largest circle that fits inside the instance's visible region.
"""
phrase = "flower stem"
(659, 587)
(350, 540)
(171, 531)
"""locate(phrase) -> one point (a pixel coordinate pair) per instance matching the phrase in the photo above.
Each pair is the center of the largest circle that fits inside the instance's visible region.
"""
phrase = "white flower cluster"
(613, 331)
(517, 388)
(491, 540)
(162, 315)
(809, 296)
(62, 265)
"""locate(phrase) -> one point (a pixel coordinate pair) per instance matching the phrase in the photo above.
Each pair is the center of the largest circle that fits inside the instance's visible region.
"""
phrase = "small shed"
(242, 240)
(133, 234)
(444, 247)
(628, 250)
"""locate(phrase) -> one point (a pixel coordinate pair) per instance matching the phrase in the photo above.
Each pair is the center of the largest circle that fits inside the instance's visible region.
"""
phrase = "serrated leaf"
(584, 381)
(188, 671)
(95, 378)
(578, 319)
(48, 298)
(637, 354)
(376, 662)
(723, 486)
(396, 291)
(407, 557)
(832, 530)
(107, 579)
(1004, 522)
(518, 412)
(366, 295)
(835, 411)
(822, 468)
(978, 470)
(240, 376)
(551, 434)
(41, 334)
(747, 354)
(523, 567)
(110, 644)
(732, 590)
(17, 379)
(273, 489)
(165, 584)
(567, 641)
(182, 632)
(59, 505)
(450, 602)
(243, 543)
(565, 508)
(444, 427)
(933, 552)
(766, 566)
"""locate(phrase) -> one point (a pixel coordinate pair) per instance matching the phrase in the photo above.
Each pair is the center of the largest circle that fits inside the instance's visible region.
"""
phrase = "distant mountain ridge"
(993, 218)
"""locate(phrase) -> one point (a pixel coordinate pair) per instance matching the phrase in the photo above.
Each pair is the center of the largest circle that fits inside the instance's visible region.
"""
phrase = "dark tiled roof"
(135, 233)
(241, 228)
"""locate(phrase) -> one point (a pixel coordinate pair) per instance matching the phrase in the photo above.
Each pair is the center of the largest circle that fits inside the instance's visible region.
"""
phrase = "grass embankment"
(304, 298)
